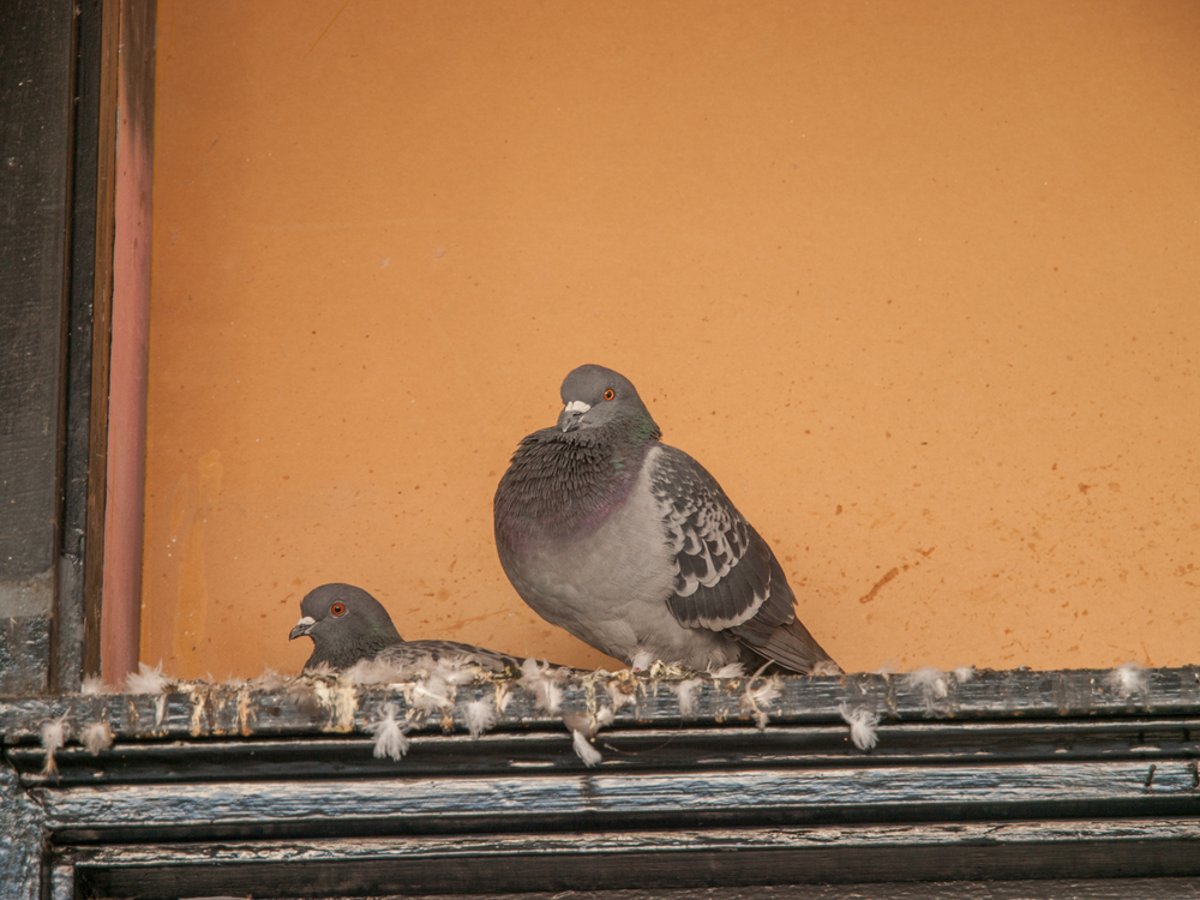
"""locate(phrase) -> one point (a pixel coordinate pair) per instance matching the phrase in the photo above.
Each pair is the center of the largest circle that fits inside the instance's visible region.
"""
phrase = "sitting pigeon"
(347, 625)
(633, 547)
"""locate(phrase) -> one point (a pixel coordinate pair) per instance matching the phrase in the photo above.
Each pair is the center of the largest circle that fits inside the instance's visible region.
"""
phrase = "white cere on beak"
(302, 627)
(568, 419)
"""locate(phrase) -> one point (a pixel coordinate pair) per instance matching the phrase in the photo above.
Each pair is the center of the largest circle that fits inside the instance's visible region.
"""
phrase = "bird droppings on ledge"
(455, 700)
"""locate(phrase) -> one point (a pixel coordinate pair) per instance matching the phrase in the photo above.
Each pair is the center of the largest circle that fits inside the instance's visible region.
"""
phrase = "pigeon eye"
(337, 609)
(609, 394)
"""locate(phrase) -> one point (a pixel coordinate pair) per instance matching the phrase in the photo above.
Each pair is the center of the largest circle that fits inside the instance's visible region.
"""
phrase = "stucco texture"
(917, 282)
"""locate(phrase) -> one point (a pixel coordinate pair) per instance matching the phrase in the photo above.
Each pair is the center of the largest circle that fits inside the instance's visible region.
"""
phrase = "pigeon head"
(346, 624)
(595, 397)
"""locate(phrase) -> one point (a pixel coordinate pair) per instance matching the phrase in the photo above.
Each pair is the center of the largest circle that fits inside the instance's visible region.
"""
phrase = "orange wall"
(916, 281)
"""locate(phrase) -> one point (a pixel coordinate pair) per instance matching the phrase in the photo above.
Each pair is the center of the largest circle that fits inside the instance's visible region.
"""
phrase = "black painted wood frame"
(1083, 779)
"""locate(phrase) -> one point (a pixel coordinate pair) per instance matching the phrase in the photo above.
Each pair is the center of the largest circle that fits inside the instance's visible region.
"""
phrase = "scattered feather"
(863, 723)
(432, 695)
(1129, 680)
(932, 683)
(963, 674)
(542, 682)
(390, 740)
(96, 737)
(94, 684)
(759, 694)
(54, 735)
(585, 750)
(669, 671)
(621, 693)
(269, 680)
(825, 668)
(457, 668)
(480, 717)
(729, 670)
(604, 717)
(503, 695)
(147, 680)
(642, 661)
(686, 692)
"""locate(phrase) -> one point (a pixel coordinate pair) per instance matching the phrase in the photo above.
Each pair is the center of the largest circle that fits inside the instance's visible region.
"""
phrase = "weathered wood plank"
(659, 748)
(638, 859)
(406, 804)
(312, 706)
(1075, 889)
(36, 90)
(210, 767)
(355, 850)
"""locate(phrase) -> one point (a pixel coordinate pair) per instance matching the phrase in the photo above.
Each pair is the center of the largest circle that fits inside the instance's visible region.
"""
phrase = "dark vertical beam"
(36, 94)
(75, 632)
(101, 328)
(22, 851)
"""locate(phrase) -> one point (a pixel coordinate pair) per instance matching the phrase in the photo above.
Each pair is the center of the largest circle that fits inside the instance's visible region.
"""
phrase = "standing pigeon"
(633, 547)
(347, 624)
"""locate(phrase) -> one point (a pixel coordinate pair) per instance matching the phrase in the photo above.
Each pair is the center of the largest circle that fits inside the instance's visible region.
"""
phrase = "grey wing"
(412, 652)
(726, 577)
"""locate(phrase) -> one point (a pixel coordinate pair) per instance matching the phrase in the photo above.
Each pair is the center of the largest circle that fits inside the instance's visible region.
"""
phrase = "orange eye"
(337, 609)
(609, 394)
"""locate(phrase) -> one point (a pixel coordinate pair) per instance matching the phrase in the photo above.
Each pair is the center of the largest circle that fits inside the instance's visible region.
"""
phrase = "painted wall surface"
(918, 282)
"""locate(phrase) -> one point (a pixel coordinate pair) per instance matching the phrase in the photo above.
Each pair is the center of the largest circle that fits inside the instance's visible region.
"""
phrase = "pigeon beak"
(301, 628)
(568, 419)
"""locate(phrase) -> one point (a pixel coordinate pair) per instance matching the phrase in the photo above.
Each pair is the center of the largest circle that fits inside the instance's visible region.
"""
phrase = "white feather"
(542, 682)
(963, 674)
(863, 723)
(589, 754)
(729, 670)
(618, 695)
(269, 680)
(932, 683)
(53, 735)
(457, 669)
(686, 692)
(147, 680)
(480, 716)
(94, 684)
(432, 695)
(96, 737)
(1128, 680)
(642, 660)
(759, 694)
(390, 740)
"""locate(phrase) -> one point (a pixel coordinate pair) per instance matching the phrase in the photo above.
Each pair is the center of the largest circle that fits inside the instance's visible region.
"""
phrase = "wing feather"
(726, 577)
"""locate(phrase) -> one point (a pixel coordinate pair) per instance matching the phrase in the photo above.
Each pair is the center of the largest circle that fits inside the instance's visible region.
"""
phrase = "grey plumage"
(632, 546)
(347, 625)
